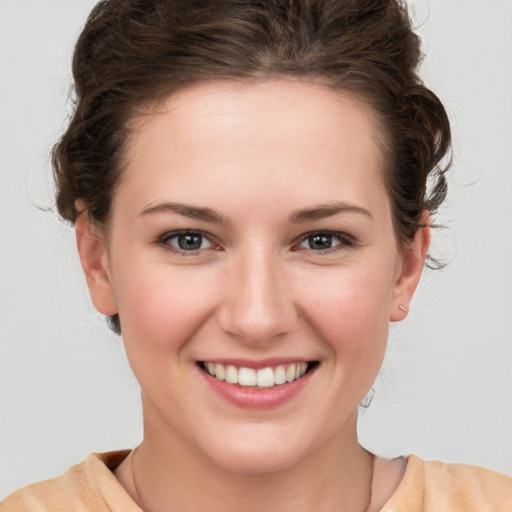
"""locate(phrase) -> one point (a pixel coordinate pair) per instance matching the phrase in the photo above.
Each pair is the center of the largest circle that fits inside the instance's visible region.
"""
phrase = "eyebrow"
(192, 212)
(324, 211)
(209, 215)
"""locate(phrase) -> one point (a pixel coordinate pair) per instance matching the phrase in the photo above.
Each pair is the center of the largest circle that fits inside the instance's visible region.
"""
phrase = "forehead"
(300, 103)
(255, 136)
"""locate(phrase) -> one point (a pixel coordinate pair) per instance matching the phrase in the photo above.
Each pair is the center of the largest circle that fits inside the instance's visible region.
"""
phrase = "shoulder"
(470, 487)
(57, 494)
(433, 486)
(88, 486)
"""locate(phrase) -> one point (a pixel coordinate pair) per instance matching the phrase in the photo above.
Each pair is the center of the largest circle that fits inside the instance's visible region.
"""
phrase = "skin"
(255, 155)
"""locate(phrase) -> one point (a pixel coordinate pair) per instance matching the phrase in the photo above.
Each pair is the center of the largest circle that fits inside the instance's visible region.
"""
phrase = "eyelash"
(164, 240)
(343, 240)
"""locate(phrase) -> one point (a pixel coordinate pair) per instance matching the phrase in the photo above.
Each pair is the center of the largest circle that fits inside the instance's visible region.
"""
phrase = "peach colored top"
(427, 486)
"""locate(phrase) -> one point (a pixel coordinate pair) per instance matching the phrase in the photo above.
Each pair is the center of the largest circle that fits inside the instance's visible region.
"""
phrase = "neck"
(169, 475)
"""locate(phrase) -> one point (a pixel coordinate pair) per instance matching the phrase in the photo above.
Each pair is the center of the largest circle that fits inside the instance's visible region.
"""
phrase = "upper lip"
(257, 364)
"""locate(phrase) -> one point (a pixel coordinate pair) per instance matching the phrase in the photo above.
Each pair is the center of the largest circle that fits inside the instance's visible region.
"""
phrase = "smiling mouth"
(263, 378)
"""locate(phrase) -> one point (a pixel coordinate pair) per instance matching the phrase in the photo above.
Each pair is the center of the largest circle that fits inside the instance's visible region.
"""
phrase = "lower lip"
(250, 398)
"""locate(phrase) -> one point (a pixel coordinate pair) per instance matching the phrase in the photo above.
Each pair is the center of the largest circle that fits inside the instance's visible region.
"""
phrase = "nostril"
(257, 323)
(256, 304)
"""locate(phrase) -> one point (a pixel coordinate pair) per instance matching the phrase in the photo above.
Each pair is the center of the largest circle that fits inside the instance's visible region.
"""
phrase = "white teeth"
(280, 375)
(290, 373)
(247, 377)
(220, 373)
(263, 378)
(231, 374)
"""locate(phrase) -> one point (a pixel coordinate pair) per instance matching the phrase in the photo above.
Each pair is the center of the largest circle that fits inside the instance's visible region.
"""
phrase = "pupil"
(189, 242)
(320, 241)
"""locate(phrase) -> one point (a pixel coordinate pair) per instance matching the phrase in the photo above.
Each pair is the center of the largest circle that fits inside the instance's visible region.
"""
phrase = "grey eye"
(189, 241)
(320, 241)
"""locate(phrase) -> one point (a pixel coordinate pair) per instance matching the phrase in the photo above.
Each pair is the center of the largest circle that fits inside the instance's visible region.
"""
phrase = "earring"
(367, 400)
(403, 308)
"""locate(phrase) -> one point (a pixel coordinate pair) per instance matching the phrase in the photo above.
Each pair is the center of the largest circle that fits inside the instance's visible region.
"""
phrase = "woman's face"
(251, 237)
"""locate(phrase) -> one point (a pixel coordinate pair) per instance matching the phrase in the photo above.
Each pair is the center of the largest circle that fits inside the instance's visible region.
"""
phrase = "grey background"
(445, 390)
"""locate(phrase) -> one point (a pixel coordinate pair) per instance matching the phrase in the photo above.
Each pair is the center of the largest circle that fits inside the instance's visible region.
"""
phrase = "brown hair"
(131, 52)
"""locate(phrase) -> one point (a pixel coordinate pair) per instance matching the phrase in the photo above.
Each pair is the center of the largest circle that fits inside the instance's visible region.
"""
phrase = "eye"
(325, 240)
(187, 241)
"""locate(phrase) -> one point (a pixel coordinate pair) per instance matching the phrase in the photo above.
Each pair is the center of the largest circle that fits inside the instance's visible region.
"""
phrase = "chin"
(264, 460)
(263, 452)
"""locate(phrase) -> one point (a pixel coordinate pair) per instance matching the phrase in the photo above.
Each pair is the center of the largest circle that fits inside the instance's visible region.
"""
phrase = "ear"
(409, 271)
(95, 263)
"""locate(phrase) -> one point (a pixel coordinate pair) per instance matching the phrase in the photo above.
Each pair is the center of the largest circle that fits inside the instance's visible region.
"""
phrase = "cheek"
(350, 310)
(161, 308)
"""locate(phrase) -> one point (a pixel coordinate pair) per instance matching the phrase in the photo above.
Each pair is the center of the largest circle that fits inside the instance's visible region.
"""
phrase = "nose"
(257, 304)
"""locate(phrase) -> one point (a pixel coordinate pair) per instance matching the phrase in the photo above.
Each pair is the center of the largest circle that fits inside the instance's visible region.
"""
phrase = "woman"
(248, 183)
